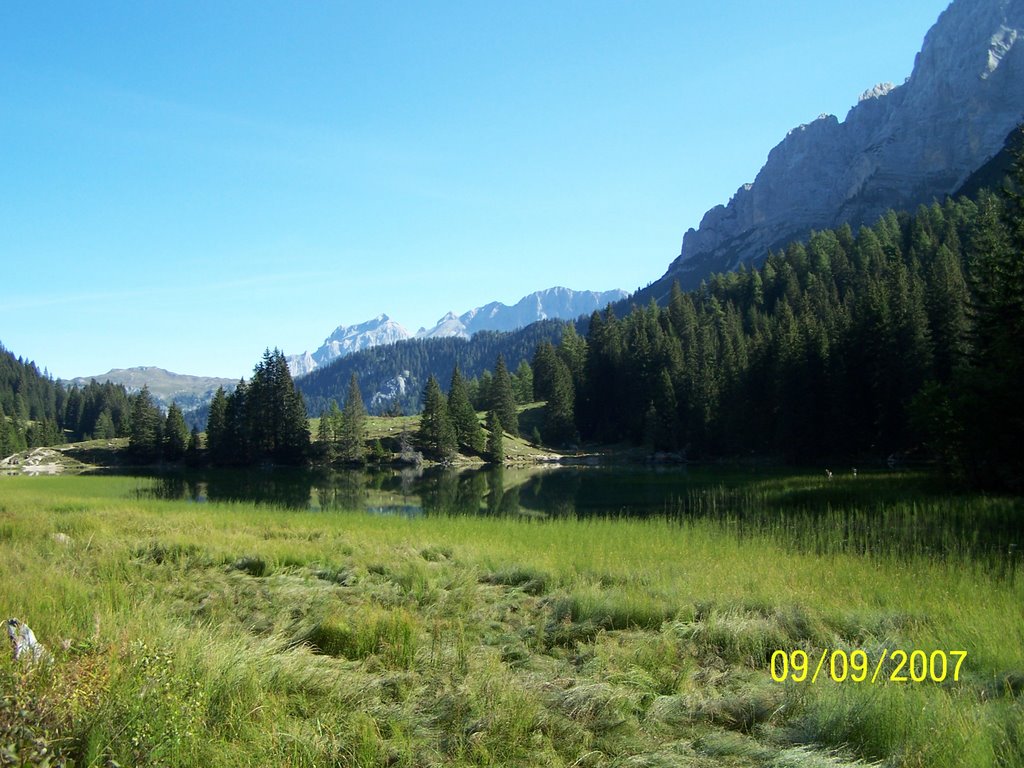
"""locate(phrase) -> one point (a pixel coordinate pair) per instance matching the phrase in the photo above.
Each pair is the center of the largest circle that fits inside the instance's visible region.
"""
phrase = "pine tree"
(494, 451)
(991, 410)
(43, 432)
(666, 431)
(105, 429)
(946, 301)
(463, 416)
(484, 387)
(216, 425)
(275, 412)
(236, 445)
(522, 383)
(175, 434)
(559, 415)
(544, 361)
(6, 442)
(145, 438)
(352, 426)
(436, 434)
(573, 351)
(503, 400)
(327, 432)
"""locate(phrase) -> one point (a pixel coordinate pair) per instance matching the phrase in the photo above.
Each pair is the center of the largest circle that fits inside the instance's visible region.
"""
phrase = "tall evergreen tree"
(503, 400)
(175, 434)
(991, 409)
(436, 434)
(236, 445)
(216, 426)
(352, 428)
(328, 431)
(573, 351)
(6, 443)
(559, 415)
(145, 438)
(947, 299)
(666, 428)
(105, 429)
(522, 383)
(463, 416)
(276, 413)
(544, 361)
(484, 387)
(494, 451)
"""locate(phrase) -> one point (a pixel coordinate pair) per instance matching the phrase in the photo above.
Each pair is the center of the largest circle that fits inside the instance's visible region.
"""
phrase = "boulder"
(24, 643)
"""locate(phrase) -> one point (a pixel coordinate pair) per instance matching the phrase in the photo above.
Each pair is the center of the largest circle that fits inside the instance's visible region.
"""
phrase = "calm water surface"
(874, 514)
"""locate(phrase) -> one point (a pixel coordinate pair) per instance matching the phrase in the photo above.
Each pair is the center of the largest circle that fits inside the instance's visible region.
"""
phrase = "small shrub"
(26, 727)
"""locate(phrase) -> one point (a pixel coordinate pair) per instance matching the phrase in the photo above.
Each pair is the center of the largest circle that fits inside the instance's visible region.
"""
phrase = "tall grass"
(237, 634)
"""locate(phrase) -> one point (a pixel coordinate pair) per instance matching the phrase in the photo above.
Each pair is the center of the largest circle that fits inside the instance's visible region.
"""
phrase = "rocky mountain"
(189, 392)
(553, 303)
(900, 146)
(392, 377)
(347, 339)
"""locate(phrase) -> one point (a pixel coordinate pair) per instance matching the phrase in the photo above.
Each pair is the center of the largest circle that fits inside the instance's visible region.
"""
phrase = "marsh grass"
(238, 634)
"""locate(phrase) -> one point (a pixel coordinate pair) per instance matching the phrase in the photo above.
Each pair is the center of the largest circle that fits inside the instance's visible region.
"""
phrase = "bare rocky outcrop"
(23, 642)
(897, 148)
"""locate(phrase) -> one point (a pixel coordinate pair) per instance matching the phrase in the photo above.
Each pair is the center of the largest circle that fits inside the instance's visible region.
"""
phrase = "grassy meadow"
(242, 635)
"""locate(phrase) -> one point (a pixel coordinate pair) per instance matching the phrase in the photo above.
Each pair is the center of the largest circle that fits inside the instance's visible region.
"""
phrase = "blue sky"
(186, 184)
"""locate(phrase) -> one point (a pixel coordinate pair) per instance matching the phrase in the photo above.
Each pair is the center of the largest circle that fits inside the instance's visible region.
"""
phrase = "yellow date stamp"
(841, 666)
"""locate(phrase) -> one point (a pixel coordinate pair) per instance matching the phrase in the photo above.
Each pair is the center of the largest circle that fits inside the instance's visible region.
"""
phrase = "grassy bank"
(231, 635)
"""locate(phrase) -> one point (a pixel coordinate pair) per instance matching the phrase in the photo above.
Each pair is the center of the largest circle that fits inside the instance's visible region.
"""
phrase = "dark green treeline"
(905, 338)
(418, 360)
(36, 410)
(262, 420)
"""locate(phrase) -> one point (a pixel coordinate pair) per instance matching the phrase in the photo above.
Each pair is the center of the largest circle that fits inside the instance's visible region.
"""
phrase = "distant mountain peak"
(188, 391)
(551, 303)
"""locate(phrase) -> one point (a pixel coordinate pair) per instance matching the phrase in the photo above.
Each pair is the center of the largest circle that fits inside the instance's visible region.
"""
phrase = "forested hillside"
(416, 360)
(36, 410)
(905, 338)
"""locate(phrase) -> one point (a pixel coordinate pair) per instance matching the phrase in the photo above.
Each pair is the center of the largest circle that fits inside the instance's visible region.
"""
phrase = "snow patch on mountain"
(347, 339)
(553, 303)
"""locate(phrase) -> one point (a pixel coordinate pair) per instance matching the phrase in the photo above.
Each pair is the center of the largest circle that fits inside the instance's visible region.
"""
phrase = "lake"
(872, 513)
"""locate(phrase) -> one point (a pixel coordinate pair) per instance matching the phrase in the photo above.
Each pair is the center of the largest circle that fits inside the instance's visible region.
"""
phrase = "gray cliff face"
(898, 147)
(347, 339)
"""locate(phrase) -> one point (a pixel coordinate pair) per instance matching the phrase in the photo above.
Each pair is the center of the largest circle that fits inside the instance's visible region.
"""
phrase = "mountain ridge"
(188, 391)
(898, 147)
(557, 303)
